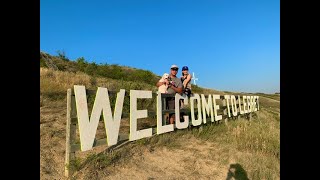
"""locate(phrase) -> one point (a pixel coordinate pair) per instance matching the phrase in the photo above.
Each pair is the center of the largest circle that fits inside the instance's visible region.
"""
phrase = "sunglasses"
(174, 69)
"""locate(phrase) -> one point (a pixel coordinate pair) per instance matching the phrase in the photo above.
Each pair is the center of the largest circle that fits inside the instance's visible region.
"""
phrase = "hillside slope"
(250, 147)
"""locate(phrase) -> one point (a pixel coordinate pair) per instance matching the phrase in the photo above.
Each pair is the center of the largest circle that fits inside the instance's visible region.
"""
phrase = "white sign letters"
(206, 108)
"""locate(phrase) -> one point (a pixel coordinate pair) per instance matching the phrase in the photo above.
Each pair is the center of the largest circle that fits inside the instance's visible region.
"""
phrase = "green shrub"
(43, 63)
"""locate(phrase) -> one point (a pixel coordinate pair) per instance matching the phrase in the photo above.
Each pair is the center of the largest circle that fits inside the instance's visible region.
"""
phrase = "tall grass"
(57, 82)
(256, 143)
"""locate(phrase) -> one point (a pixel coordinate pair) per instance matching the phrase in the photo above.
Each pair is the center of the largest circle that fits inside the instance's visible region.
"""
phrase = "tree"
(62, 55)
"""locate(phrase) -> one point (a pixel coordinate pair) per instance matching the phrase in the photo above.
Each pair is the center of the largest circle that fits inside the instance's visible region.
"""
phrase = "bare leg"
(172, 118)
(166, 117)
(181, 103)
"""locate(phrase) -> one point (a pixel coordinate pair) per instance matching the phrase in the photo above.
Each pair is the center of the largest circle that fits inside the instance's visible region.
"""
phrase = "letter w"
(87, 129)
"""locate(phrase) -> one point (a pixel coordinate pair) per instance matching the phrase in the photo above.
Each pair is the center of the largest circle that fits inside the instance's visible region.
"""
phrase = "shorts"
(170, 101)
(187, 92)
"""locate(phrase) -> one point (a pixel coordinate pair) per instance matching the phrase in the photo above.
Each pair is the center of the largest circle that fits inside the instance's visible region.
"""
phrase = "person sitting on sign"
(186, 80)
(174, 86)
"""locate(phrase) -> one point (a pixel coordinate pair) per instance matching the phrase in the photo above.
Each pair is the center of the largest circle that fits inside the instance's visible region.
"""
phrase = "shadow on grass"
(237, 172)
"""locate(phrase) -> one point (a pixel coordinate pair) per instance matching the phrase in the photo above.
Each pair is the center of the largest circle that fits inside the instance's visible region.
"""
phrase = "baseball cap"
(174, 66)
(185, 68)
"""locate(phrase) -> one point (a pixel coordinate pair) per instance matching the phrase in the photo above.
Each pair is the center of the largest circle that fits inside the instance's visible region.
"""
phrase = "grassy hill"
(114, 77)
(252, 148)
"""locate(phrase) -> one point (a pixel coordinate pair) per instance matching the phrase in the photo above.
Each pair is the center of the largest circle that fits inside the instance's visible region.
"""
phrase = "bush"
(43, 63)
(62, 55)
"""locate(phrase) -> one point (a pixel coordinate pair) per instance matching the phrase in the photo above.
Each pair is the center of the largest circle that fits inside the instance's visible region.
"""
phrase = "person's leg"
(166, 117)
(181, 103)
(172, 118)
(171, 104)
(181, 116)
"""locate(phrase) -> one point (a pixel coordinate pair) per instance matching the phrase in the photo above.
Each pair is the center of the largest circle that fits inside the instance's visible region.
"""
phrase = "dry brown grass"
(207, 152)
(55, 82)
(212, 91)
(59, 81)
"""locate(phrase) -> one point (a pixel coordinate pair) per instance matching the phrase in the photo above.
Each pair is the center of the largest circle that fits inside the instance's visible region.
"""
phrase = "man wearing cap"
(174, 86)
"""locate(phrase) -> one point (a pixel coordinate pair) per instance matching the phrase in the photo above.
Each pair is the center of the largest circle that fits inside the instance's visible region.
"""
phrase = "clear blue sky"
(230, 45)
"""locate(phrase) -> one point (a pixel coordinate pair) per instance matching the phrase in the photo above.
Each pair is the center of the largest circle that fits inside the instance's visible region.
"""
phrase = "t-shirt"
(177, 83)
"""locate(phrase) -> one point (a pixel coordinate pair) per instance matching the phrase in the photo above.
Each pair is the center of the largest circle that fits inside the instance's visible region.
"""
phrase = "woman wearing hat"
(186, 80)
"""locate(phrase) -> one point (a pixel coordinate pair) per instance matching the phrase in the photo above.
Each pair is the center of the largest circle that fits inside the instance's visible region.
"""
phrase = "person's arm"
(176, 89)
(159, 83)
(187, 80)
(179, 85)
